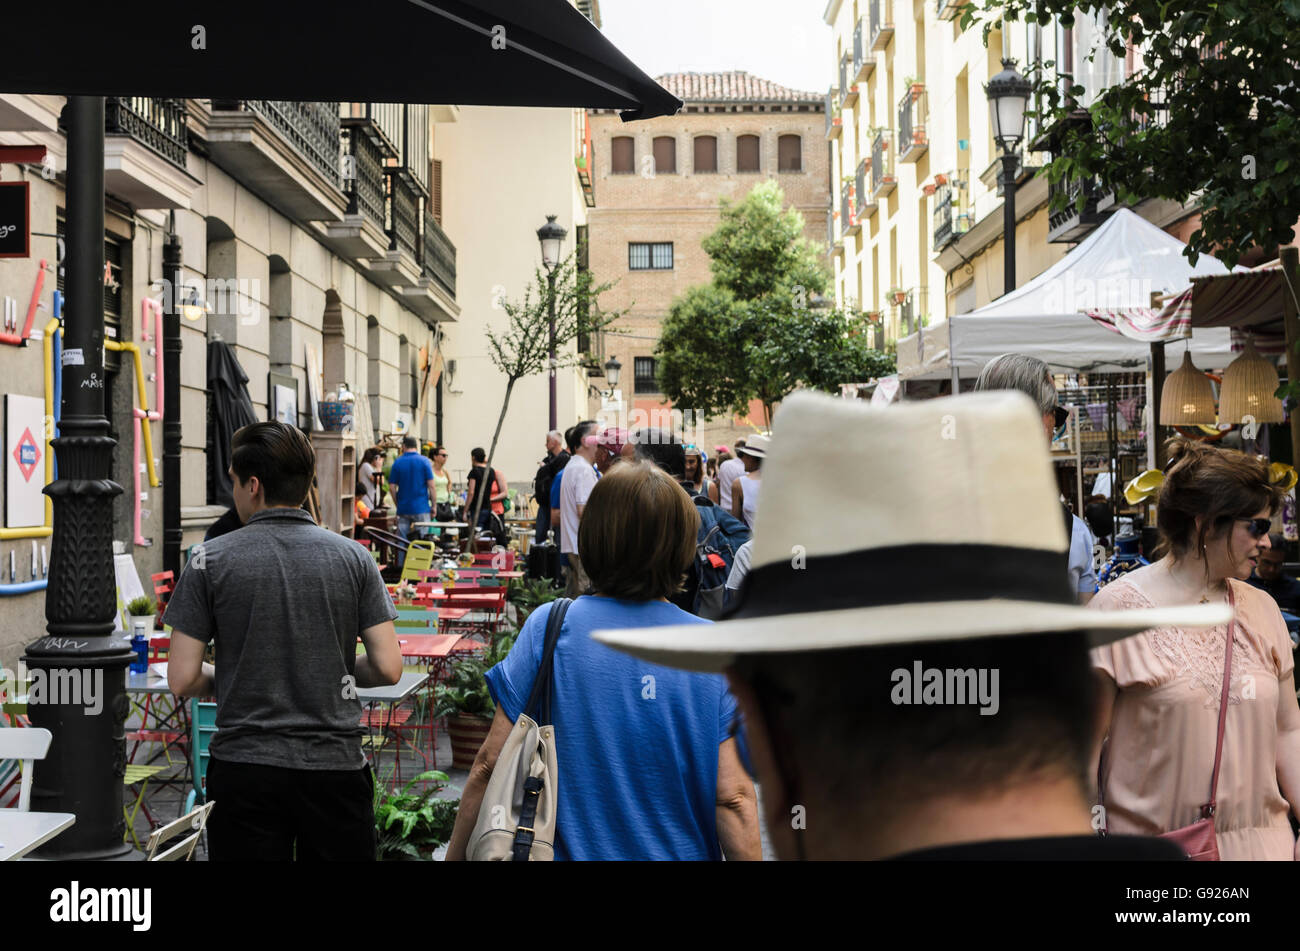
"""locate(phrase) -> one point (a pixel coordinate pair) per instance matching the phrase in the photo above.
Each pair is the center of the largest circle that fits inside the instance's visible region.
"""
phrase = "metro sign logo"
(27, 454)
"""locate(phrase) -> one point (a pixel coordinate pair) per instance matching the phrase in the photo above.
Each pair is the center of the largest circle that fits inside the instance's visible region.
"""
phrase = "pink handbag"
(1199, 840)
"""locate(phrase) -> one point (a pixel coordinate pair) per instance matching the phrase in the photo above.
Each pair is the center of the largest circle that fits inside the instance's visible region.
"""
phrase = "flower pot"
(917, 89)
(929, 189)
(941, 179)
(467, 733)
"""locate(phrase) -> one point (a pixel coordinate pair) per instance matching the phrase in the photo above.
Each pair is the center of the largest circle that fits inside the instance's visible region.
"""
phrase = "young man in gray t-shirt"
(283, 601)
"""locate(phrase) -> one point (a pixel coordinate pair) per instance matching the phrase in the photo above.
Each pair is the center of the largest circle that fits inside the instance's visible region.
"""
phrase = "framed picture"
(283, 389)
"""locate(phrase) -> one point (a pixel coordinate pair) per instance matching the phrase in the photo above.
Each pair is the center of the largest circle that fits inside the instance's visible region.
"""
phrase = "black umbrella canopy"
(466, 52)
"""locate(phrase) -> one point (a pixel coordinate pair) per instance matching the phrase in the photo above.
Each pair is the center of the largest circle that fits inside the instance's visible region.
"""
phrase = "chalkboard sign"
(15, 220)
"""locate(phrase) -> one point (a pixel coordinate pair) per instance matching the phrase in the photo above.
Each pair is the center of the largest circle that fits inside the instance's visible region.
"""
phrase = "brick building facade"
(657, 186)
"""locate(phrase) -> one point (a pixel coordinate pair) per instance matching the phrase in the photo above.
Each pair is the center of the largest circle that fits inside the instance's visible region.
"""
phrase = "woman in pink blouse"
(1160, 690)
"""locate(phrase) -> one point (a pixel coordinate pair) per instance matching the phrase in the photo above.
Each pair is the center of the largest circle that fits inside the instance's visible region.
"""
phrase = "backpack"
(721, 535)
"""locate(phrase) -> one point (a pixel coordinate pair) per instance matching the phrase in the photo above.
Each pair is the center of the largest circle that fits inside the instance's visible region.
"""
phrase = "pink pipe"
(18, 339)
(141, 417)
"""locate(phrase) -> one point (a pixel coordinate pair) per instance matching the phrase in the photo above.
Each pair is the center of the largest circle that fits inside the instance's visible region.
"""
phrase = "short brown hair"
(281, 458)
(637, 534)
(1216, 484)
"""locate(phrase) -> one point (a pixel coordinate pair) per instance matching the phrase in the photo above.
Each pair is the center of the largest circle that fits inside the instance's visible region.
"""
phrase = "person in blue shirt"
(648, 764)
(410, 480)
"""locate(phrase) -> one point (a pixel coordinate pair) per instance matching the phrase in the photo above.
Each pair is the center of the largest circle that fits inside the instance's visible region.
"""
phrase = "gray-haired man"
(556, 459)
(1031, 376)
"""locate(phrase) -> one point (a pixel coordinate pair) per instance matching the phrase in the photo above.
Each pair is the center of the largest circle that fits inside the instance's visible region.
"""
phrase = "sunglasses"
(1259, 527)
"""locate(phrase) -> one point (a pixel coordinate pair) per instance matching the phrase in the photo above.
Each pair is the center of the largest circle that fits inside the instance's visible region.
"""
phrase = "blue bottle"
(140, 644)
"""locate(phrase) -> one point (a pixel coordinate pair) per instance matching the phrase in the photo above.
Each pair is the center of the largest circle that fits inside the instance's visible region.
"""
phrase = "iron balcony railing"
(861, 184)
(912, 139)
(832, 113)
(156, 123)
(858, 50)
(401, 220)
(310, 127)
(883, 179)
(942, 218)
(439, 255)
(363, 175)
(882, 23)
(844, 78)
(846, 207)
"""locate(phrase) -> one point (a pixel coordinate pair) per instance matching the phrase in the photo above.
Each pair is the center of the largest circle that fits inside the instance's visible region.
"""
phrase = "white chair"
(182, 851)
(27, 745)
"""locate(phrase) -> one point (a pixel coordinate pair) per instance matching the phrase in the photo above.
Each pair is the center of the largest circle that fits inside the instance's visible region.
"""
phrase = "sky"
(785, 41)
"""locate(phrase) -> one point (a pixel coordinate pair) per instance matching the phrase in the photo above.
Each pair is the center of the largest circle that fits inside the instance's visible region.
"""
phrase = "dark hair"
(818, 704)
(437, 449)
(410, 442)
(581, 430)
(371, 453)
(661, 448)
(1218, 485)
(1277, 542)
(637, 533)
(281, 458)
(478, 455)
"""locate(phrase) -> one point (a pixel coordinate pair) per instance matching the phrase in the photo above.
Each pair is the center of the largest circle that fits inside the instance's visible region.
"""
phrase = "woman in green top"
(442, 484)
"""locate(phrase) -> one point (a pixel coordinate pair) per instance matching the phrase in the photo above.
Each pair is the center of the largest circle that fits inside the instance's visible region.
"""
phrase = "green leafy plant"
(529, 595)
(411, 826)
(143, 606)
(465, 692)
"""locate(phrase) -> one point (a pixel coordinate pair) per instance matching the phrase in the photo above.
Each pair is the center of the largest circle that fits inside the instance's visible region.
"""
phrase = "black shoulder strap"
(539, 700)
(1069, 524)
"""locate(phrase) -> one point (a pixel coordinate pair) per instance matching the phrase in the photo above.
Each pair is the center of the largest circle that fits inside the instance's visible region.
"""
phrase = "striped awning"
(1250, 302)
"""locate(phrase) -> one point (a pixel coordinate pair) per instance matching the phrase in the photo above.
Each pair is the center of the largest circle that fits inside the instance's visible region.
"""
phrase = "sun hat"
(958, 535)
(757, 446)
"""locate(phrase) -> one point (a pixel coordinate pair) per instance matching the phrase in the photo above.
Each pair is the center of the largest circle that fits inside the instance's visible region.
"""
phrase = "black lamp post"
(551, 237)
(612, 371)
(1008, 94)
(82, 773)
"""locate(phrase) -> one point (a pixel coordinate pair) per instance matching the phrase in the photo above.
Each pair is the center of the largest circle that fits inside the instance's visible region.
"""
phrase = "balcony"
(883, 179)
(866, 206)
(145, 144)
(433, 296)
(585, 162)
(949, 9)
(848, 213)
(834, 121)
(882, 24)
(360, 234)
(399, 265)
(288, 153)
(864, 64)
(913, 111)
(850, 87)
(1071, 224)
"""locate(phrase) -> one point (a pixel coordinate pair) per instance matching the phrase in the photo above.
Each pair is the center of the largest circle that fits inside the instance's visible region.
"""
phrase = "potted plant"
(410, 827)
(143, 609)
(929, 188)
(914, 86)
(530, 595)
(463, 698)
(897, 295)
(941, 179)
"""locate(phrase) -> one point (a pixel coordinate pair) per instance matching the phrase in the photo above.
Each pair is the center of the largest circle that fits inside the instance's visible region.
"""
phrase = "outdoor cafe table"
(20, 832)
(372, 697)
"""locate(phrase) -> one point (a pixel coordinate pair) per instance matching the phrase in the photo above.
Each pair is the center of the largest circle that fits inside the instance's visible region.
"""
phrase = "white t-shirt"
(728, 472)
(740, 565)
(1083, 572)
(579, 479)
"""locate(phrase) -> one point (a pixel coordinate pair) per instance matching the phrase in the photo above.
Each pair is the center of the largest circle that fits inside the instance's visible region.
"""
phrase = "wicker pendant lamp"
(1248, 387)
(1187, 398)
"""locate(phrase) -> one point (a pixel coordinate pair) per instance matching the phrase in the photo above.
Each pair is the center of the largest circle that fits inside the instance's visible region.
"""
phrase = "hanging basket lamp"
(1187, 399)
(1248, 387)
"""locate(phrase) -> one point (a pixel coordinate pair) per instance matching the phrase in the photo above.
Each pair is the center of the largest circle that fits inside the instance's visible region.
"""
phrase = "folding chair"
(420, 555)
(137, 774)
(25, 747)
(192, 823)
(203, 726)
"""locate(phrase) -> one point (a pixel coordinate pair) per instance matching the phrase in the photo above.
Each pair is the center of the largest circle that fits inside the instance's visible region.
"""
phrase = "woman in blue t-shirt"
(648, 766)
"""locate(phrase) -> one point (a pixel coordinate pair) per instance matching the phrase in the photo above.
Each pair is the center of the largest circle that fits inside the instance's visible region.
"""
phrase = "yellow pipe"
(43, 531)
(144, 405)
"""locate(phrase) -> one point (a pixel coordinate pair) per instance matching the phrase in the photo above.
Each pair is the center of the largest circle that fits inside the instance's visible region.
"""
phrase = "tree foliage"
(751, 333)
(1213, 115)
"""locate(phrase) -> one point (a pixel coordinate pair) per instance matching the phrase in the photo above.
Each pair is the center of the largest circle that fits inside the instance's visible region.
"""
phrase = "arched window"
(747, 153)
(622, 152)
(789, 154)
(665, 148)
(706, 153)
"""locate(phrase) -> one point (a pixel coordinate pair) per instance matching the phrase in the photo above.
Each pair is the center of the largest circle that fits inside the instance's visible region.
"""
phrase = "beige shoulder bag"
(516, 820)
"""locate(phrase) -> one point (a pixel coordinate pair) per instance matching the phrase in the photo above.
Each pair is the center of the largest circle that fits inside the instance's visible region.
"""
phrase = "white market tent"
(1119, 265)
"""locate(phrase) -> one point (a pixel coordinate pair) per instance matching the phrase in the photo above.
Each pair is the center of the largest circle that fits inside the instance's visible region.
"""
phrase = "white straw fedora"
(951, 529)
(757, 445)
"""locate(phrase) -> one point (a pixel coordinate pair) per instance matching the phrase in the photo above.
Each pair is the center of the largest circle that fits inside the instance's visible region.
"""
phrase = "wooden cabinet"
(336, 480)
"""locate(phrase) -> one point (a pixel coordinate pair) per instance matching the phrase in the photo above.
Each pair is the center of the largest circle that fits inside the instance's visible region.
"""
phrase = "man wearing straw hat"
(911, 664)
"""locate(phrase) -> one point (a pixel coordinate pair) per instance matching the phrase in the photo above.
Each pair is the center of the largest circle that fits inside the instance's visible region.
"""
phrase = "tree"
(760, 249)
(751, 333)
(523, 347)
(1214, 113)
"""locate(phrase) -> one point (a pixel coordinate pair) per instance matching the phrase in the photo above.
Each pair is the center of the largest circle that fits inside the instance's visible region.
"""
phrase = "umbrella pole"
(1290, 257)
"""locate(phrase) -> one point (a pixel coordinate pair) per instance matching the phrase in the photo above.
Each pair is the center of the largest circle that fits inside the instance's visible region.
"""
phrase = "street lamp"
(551, 236)
(1008, 94)
(612, 370)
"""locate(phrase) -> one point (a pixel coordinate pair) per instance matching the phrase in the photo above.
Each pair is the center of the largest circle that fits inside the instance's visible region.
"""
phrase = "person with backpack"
(720, 534)
(557, 457)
